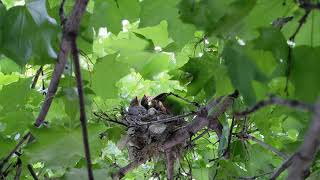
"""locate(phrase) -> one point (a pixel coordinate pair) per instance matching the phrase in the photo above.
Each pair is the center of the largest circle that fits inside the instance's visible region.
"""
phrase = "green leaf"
(31, 34)
(229, 24)
(305, 72)
(59, 148)
(271, 39)
(155, 11)
(82, 174)
(241, 70)
(263, 14)
(110, 13)
(203, 70)
(8, 66)
(16, 122)
(114, 133)
(203, 13)
(309, 34)
(107, 72)
(201, 173)
(6, 145)
(158, 34)
(14, 96)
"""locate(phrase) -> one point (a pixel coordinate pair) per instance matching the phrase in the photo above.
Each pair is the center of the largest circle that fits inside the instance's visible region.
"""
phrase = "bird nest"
(149, 124)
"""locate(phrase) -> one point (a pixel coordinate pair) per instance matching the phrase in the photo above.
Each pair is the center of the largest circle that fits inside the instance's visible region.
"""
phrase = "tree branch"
(278, 101)
(36, 77)
(6, 159)
(304, 157)
(282, 168)
(200, 121)
(18, 169)
(121, 173)
(170, 164)
(33, 174)
(267, 146)
(61, 13)
(292, 39)
(83, 118)
(109, 119)
(70, 28)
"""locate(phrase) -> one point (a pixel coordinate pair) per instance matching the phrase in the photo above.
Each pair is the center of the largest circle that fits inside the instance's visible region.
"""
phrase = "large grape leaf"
(158, 34)
(263, 14)
(309, 33)
(242, 70)
(107, 72)
(305, 72)
(60, 148)
(110, 13)
(14, 96)
(204, 14)
(219, 17)
(203, 70)
(28, 32)
(135, 52)
(6, 145)
(82, 174)
(271, 39)
(16, 122)
(232, 20)
(155, 11)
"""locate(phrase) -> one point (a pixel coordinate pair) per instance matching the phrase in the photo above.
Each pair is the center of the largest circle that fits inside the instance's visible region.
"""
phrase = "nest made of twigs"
(150, 124)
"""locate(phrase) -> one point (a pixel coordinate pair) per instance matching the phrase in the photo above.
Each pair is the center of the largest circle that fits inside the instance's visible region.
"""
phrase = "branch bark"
(70, 29)
(202, 120)
(83, 118)
(170, 164)
(36, 77)
(278, 101)
(18, 169)
(304, 157)
(282, 168)
(6, 159)
(33, 174)
(267, 146)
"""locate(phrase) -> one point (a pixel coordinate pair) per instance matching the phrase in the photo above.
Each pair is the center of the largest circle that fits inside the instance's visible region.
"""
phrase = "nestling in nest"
(150, 123)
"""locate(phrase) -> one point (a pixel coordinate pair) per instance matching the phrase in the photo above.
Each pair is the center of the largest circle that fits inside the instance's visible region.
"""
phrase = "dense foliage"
(198, 49)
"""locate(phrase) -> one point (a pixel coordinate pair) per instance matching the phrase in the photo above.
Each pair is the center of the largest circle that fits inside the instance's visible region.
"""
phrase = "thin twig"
(292, 39)
(33, 174)
(282, 168)
(267, 146)
(253, 177)
(61, 13)
(165, 120)
(18, 169)
(308, 5)
(278, 101)
(6, 159)
(109, 119)
(36, 77)
(83, 118)
(226, 151)
(200, 135)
